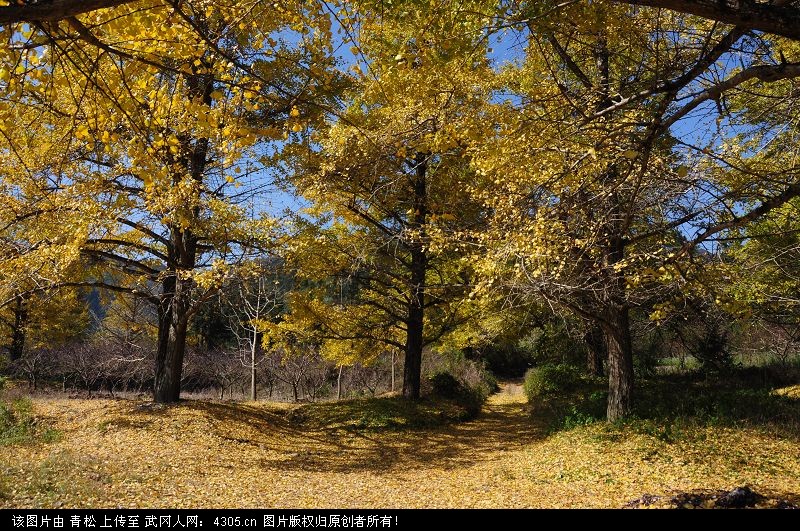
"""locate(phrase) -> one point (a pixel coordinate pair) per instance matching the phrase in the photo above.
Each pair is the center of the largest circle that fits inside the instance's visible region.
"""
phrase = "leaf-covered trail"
(121, 453)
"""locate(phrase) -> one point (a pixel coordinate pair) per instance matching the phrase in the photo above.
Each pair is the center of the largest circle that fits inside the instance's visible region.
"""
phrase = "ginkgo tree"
(43, 320)
(138, 137)
(598, 200)
(388, 181)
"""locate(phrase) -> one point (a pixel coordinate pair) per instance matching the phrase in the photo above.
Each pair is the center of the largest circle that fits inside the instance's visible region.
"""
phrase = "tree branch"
(769, 17)
(52, 10)
(792, 191)
(766, 73)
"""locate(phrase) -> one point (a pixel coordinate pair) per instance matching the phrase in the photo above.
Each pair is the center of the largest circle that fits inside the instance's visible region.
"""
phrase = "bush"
(508, 361)
(469, 373)
(548, 380)
(577, 417)
(471, 398)
(552, 343)
(446, 385)
(712, 351)
(596, 404)
(646, 360)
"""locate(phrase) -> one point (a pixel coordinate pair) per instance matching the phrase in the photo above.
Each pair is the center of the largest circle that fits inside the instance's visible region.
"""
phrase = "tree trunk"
(617, 330)
(253, 348)
(620, 363)
(172, 328)
(595, 349)
(412, 372)
(417, 269)
(339, 384)
(393, 362)
(19, 332)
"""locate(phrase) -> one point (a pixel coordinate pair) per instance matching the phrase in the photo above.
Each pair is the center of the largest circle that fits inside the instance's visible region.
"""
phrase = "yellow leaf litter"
(127, 453)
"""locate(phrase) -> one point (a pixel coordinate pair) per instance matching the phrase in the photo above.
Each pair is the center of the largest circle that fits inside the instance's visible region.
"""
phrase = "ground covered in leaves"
(127, 453)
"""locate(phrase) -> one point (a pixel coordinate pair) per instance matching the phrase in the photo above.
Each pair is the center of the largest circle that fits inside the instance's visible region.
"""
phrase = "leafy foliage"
(547, 380)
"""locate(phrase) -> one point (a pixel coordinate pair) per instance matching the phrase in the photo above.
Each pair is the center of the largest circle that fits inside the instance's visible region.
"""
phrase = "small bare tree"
(249, 300)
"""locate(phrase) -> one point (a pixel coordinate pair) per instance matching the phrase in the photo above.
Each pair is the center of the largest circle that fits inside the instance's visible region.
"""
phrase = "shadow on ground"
(283, 444)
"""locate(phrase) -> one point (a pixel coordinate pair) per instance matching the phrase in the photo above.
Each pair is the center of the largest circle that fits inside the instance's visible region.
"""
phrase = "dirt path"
(511, 392)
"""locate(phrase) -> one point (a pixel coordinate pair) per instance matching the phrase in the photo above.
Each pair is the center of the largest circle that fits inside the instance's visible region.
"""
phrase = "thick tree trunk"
(617, 330)
(172, 328)
(19, 332)
(620, 363)
(412, 371)
(595, 349)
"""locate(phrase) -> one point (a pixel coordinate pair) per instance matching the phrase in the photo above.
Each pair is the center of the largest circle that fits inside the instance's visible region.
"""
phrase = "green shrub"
(471, 398)
(577, 417)
(646, 361)
(713, 353)
(552, 343)
(596, 404)
(578, 409)
(470, 373)
(446, 385)
(548, 380)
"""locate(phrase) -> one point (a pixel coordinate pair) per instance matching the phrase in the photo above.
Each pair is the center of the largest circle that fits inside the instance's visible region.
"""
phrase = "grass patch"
(60, 479)
(737, 400)
(380, 414)
(668, 406)
(19, 426)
